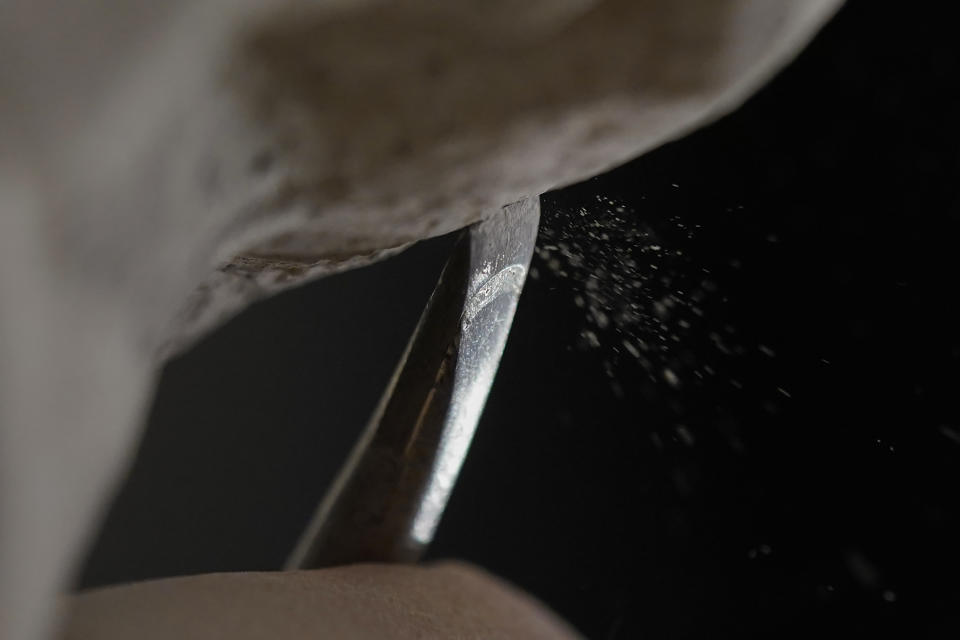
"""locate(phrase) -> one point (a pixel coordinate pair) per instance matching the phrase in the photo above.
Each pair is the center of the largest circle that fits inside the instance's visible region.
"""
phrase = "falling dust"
(648, 302)
(656, 309)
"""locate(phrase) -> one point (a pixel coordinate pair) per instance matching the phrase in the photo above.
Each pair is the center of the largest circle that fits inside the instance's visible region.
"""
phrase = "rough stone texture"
(163, 164)
(443, 116)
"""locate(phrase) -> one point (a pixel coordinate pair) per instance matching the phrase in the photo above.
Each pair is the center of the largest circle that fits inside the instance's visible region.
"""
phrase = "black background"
(812, 492)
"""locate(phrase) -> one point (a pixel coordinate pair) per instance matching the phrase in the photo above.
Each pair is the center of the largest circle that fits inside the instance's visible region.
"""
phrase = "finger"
(450, 600)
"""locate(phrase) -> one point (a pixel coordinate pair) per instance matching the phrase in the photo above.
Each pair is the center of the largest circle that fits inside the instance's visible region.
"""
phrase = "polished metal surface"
(387, 500)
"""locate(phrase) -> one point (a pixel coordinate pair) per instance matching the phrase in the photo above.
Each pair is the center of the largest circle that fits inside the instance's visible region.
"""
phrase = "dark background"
(798, 479)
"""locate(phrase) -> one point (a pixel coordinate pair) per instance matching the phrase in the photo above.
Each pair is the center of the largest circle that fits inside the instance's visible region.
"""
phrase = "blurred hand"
(357, 602)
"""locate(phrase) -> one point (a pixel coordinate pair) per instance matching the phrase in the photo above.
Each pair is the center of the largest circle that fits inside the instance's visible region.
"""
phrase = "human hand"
(448, 600)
